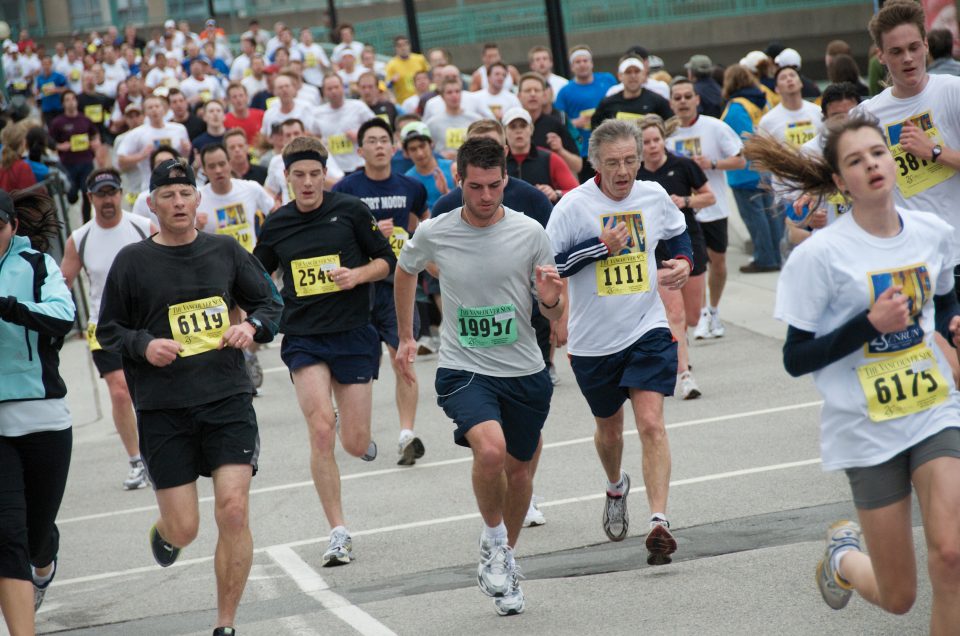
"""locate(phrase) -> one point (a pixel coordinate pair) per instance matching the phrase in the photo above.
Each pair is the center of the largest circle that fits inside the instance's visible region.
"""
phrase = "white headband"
(630, 62)
(580, 53)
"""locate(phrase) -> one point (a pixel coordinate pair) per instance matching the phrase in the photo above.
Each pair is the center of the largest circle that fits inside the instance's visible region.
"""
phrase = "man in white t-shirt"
(497, 98)
(488, 56)
(449, 128)
(315, 60)
(793, 121)
(347, 43)
(276, 183)
(604, 233)
(540, 60)
(468, 101)
(241, 64)
(200, 87)
(338, 121)
(114, 69)
(141, 141)
(286, 107)
(716, 148)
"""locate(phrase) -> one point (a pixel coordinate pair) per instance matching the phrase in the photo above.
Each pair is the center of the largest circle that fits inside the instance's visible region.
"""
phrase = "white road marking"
(438, 521)
(448, 462)
(313, 585)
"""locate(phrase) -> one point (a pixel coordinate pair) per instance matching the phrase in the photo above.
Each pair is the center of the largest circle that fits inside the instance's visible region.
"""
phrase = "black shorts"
(520, 404)
(383, 316)
(715, 235)
(649, 364)
(106, 361)
(541, 327)
(178, 445)
(353, 356)
(699, 248)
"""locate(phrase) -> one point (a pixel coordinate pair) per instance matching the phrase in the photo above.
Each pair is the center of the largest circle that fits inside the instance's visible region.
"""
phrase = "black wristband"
(546, 306)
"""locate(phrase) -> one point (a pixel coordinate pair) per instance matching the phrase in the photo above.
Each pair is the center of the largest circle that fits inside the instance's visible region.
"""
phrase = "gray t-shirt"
(488, 283)
(450, 131)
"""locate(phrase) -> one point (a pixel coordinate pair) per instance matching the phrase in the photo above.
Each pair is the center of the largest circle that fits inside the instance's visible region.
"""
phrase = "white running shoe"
(340, 550)
(426, 346)
(717, 330)
(687, 387)
(702, 332)
(554, 377)
(493, 571)
(533, 517)
(137, 477)
(511, 603)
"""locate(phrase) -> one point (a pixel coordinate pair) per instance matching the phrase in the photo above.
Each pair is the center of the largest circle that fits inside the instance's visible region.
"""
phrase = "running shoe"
(717, 330)
(340, 550)
(39, 591)
(426, 345)
(493, 571)
(660, 542)
(137, 477)
(165, 554)
(687, 387)
(703, 332)
(371, 453)
(224, 631)
(835, 591)
(533, 517)
(616, 520)
(554, 377)
(410, 449)
(254, 370)
(511, 603)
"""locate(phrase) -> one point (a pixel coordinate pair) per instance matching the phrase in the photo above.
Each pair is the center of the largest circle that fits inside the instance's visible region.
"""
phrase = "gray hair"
(613, 130)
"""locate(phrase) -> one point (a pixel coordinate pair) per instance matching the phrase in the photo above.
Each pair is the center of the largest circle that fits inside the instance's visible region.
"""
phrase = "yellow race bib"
(624, 274)
(241, 233)
(271, 101)
(94, 113)
(340, 145)
(199, 325)
(205, 96)
(311, 60)
(131, 197)
(311, 276)
(629, 116)
(497, 111)
(232, 221)
(385, 117)
(19, 86)
(92, 337)
(588, 113)
(799, 133)
(48, 88)
(914, 175)
(79, 143)
(902, 385)
(455, 137)
(397, 239)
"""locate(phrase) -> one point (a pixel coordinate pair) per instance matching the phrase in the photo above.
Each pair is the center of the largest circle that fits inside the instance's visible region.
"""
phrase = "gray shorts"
(887, 483)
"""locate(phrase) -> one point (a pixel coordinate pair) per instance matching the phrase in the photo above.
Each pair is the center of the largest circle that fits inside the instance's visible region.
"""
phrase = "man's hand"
(386, 227)
(345, 278)
(441, 181)
(558, 332)
(582, 122)
(677, 273)
(614, 236)
(162, 351)
(549, 284)
(406, 356)
(916, 142)
(552, 194)
(703, 162)
(677, 201)
(955, 331)
(891, 312)
(554, 142)
(818, 219)
(238, 336)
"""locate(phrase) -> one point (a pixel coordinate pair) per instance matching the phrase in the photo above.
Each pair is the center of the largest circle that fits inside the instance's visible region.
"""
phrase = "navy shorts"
(649, 364)
(520, 404)
(353, 356)
(384, 315)
(106, 361)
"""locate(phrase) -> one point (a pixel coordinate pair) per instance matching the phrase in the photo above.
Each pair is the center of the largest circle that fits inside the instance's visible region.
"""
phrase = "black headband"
(303, 155)
(165, 181)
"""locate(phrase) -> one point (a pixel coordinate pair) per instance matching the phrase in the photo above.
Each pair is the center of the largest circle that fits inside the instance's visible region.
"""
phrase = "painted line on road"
(312, 584)
(446, 520)
(449, 462)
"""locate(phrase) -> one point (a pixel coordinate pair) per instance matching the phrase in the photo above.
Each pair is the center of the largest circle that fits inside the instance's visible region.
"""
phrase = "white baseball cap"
(514, 114)
(753, 60)
(169, 24)
(788, 57)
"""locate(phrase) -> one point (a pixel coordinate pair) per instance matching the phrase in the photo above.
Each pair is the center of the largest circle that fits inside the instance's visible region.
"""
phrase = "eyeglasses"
(103, 194)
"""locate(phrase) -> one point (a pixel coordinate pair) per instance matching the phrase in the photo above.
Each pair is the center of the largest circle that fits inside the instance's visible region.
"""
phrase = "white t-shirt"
(141, 209)
(356, 47)
(468, 102)
(301, 110)
(614, 302)
(277, 182)
(136, 140)
(206, 89)
(796, 127)
(556, 83)
(309, 94)
(240, 67)
(116, 72)
(234, 213)
(836, 274)
(499, 103)
(352, 77)
(921, 184)
(254, 85)
(160, 77)
(713, 139)
(74, 74)
(315, 61)
(333, 125)
(410, 104)
(100, 246)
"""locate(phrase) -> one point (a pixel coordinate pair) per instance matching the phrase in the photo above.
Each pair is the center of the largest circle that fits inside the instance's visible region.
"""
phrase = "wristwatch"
(936, 152)
(257, 325)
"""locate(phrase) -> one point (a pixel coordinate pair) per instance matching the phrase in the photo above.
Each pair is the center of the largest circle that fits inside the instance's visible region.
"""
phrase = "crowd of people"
(350, 204)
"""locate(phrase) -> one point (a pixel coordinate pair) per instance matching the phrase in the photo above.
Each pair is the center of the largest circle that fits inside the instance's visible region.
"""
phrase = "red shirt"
(16, 177)
(250, 125)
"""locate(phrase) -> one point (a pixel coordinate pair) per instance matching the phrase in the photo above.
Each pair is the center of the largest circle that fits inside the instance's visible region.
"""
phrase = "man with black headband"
(330, 249)
(184, 364)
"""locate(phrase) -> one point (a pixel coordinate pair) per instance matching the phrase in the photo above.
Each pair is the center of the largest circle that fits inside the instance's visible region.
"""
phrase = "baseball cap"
(8, 212)
(752, 60)
(514, 114)
(699, 64)
(211, 22)
(12, 47)
(270, 69)
(169, 24)
(133, 107)
(170, 172)
(655, 63)
(788, 57)
(415, 130)
(103, 181)
(630, 62)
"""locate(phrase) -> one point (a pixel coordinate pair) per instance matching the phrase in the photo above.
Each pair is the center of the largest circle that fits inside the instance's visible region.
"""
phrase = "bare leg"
(16, 605)
(407, 394)
(648, 411)
(716, 275)
(124, 418)
(938, 489)
(234, 553)
(517, 499)
(312, 385)
(673, 305)
(489, 480)
(692, 294)
(179, 514)
(608, 439)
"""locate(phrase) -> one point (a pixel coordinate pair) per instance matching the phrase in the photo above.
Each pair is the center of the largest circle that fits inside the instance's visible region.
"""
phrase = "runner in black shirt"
(330, 249)
(634, 101)
(164, 309)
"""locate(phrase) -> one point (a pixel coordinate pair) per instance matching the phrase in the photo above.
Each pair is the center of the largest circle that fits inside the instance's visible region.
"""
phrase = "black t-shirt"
(152, 289)
(386, 109)
(646, 102)
(96, 107)
(679, 176)
(547, 124)
(194, 125)
(306, 245)
(256, 173)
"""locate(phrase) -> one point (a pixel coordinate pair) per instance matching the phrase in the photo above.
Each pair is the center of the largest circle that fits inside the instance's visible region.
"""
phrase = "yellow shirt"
(405, 69)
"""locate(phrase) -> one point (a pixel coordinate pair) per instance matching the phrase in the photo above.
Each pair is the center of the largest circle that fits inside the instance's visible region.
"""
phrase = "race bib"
(75, 75)
(19, 86)
(497, 111)
(799, 133)
(397, 239)
(629, 116)
(484, 327)
(914, 175)
(340, 145)
(385, 117)
(271, 101)
(624, 274)
(205, 96)
(199, 325)
(166, 141)
(94, 113)
(588, 113)
(131, 198)
(241, 233)
(908, 383)
(455, 138)
(48, 88)
(79, 143)
(247, 72)
(311, 276)
(92, 337)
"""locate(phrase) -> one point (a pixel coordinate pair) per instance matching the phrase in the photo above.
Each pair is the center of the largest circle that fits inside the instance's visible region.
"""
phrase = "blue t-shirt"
(394, 198)
(573, 99)
(433, 195)
(50, 103)
(518, 195)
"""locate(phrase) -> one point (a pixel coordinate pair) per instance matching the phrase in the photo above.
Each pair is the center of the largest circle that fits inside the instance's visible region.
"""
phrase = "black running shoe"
(164, 553)
(224, 631)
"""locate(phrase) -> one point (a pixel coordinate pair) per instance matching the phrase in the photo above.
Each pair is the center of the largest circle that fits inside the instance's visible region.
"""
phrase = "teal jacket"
(36, 312)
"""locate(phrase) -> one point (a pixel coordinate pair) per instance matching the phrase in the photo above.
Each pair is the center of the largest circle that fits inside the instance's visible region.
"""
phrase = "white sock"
(497, 533)
(343, 528)
(836, 561)
(712, 310)
(617, 488)
(135, 458)
(405, 434)
(41, 580)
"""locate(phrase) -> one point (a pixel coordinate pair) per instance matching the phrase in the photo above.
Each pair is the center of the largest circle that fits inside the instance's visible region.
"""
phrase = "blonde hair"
(485, 126)
(666, 128)
(14, 139)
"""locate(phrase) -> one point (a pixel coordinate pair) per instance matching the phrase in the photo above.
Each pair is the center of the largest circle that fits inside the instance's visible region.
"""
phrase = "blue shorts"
(649, 364)
(353, 356)
(520, 404)
(384, 315)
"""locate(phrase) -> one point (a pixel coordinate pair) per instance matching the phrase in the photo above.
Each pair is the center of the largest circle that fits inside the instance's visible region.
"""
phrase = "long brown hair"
(735, 78)
(37, 218)
(13, 137)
